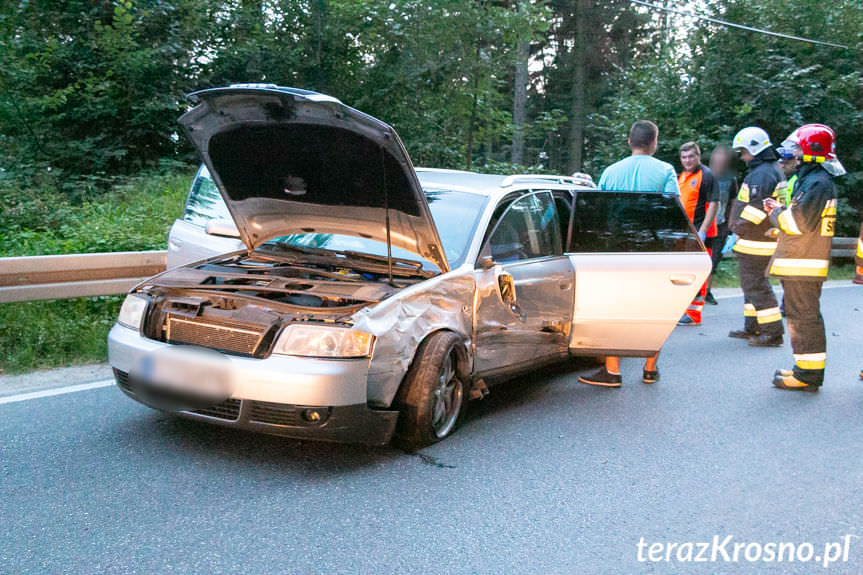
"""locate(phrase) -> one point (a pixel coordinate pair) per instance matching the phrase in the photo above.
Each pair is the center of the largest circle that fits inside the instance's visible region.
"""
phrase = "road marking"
(777, 289)
(56, 391)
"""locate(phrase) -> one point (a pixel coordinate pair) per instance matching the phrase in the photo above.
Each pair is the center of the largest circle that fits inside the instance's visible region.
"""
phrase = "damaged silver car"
(372, 300)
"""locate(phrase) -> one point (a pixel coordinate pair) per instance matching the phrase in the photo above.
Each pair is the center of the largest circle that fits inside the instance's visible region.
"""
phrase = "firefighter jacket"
(748, 218)
(806, 227)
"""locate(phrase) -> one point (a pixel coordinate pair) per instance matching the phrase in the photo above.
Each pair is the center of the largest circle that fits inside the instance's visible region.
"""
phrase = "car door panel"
(628, 304)
(638, 264)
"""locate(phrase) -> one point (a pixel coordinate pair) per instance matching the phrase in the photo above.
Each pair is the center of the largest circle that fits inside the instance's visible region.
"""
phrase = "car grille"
(273, 413)
(228, 410)
(225, 337)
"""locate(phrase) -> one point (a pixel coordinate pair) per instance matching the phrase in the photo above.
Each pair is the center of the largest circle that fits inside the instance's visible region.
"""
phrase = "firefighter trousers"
(806, 328)
(760, 310)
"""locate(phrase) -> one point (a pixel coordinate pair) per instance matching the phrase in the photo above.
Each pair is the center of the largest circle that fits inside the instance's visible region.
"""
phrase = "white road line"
(777, 289)
(56, 391)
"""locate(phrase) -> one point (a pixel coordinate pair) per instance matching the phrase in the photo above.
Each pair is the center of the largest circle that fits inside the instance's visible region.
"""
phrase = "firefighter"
(757, 242)
(802, 256)
(699, 195)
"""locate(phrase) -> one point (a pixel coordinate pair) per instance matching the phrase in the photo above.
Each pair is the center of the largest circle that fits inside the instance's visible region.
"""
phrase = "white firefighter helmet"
(751, 138)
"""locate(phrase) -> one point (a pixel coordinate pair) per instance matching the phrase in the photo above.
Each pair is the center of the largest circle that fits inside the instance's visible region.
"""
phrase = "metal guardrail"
(843, 248)
(33, 278)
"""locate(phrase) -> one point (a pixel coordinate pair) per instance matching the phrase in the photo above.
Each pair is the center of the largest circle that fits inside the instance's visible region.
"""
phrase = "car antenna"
(387, 216)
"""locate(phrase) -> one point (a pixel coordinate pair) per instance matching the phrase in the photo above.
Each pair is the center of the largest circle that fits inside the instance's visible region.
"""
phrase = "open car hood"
(290, 161)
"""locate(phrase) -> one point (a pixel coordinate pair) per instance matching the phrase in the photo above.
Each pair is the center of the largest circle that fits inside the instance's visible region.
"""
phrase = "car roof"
(493, 185)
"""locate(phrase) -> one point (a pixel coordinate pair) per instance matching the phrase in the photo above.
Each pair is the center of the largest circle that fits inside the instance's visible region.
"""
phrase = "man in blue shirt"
(640, 172)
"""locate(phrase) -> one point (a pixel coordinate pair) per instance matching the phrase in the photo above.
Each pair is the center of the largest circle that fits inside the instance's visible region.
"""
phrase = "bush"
(133, 215)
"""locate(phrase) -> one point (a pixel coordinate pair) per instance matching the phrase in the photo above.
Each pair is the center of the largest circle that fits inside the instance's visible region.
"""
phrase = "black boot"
(743, 333)
(765, 340)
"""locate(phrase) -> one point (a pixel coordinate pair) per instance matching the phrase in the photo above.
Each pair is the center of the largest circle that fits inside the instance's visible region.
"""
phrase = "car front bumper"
(275, 395)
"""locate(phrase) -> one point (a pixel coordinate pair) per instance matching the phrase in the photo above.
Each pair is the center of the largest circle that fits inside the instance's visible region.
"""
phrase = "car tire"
(433, 396)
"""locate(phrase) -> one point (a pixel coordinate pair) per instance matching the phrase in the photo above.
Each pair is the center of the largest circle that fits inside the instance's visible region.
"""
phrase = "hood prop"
(387, 218)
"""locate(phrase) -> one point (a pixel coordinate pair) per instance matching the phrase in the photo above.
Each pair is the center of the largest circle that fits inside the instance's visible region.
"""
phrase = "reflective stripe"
(860, 248)
(787, 223)
(799, 267)
(769, 315)
(810, 360)
(749, 310)
(816, 159)
(753, 214)
(829, 208)
(754, 248)
(743, 194)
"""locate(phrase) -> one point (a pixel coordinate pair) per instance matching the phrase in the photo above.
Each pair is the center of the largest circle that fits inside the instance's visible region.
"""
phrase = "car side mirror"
(485, 263)
(226, 228)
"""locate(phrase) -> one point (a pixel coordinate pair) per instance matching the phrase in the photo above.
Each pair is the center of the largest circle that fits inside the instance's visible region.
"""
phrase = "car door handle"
(682, 279)
(565, 285)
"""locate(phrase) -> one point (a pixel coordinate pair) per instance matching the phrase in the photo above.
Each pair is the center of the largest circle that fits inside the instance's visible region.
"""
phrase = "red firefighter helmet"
(815, 143)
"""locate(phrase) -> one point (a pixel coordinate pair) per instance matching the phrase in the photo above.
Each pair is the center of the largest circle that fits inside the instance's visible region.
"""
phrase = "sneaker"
(602, 378)
(686, 320)
(710, 299)
(791, 383)
(742, 334)
(650, 376)
(784, 373)
(765, 340)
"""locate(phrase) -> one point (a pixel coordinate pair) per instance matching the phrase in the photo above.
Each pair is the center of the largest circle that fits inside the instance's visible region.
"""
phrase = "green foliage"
(134, 215)
(54, 333)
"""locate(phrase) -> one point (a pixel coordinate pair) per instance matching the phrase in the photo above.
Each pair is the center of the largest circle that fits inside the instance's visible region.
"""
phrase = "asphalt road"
(546, 476)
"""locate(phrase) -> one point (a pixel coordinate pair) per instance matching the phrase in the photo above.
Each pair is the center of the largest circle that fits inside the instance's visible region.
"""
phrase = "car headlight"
(323, 341)
(132, 311)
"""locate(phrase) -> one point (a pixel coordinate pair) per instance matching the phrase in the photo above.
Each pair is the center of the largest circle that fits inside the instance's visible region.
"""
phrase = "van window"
(204, 202)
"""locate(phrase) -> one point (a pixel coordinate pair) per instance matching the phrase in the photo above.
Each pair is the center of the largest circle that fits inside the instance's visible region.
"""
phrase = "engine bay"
(238, 303)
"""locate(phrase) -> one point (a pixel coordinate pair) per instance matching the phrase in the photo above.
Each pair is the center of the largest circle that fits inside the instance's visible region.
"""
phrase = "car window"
(204, 202)
(529, 228)
(630, 222)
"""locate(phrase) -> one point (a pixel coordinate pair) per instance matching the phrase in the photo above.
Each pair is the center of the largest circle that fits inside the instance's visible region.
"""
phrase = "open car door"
(638, 263)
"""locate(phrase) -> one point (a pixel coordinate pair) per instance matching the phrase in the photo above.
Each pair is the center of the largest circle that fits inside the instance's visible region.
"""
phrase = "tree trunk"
(577, 122)
(319, 7)
(468, 154)
(519, 105)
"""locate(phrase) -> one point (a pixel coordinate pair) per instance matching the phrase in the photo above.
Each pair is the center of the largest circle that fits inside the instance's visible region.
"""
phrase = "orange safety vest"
(690, 190)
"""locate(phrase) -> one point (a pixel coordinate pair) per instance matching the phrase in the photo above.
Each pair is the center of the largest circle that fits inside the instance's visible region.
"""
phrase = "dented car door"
(524, 287)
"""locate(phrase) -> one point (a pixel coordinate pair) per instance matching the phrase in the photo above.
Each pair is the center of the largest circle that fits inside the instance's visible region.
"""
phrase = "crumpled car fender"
(403, 321)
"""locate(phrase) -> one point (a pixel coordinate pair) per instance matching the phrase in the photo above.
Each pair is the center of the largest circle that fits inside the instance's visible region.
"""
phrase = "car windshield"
(455, 215)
